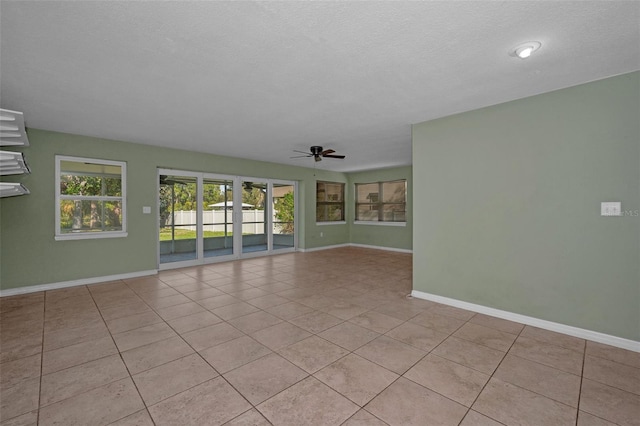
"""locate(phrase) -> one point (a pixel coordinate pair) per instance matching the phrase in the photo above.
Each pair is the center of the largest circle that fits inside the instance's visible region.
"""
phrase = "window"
(381, 201)
(90, 198)
(329, 202)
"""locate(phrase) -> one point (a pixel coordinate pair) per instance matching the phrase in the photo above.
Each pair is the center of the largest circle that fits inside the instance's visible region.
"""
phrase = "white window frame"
(59, 236)
(344, 204)
(380, 204)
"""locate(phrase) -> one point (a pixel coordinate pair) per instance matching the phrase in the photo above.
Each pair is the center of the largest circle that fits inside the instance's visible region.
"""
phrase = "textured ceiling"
(258, 80)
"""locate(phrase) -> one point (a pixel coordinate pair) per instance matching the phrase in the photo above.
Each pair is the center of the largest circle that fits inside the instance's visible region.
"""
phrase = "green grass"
(185, 234)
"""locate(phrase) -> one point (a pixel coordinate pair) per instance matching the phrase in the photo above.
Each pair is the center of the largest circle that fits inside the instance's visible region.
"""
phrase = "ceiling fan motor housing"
(316, 150)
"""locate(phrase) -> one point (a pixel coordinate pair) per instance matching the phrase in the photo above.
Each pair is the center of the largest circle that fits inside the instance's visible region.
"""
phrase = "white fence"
(214, 220)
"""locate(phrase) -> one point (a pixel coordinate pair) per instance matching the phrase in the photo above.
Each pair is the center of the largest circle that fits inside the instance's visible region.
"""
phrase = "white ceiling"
(258, 80)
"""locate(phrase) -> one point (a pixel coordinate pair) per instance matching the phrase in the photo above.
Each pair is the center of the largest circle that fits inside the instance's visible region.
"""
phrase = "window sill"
(90, 236)
(342, 222)
(362, 222)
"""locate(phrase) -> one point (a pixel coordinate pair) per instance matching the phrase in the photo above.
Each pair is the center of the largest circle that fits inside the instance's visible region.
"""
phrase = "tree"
(254, 196)
(164, 201)
(91, 213)
(81, 185)
(183, 197)
(284, 209)
(211, 194)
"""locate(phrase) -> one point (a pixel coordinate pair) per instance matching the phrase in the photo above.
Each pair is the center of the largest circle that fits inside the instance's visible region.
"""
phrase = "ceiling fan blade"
(334, 156)
(303, 152)
(327, 151)
(302, 156)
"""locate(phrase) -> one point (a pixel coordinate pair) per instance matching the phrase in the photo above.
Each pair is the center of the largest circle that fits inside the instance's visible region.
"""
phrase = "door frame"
(236, 215)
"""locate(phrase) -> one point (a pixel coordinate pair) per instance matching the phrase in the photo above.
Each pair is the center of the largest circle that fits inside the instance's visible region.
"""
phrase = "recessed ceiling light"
(524, 50)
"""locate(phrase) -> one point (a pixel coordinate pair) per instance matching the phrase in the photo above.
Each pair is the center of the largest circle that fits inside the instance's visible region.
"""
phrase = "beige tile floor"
(323, 338)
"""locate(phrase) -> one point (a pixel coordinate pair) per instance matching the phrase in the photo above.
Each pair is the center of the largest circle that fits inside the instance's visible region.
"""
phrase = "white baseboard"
(582, 333)
(308, 250)
(354, 245)
(398, 250)
(84, 281)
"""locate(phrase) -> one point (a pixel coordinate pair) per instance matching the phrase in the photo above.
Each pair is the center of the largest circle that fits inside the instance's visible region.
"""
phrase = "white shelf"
(12, 129)
(10, 189)
(13, 163)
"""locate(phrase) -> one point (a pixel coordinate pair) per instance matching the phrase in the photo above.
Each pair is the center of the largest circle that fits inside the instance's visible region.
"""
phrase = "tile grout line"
(308, 375)
(534, 392)
(431, 351)
(198, 353)
(63, 369)
(323, 291)
(44, 319)
(182, 338)
(207, 362)
(622, 364)
(122, 359)
(120, 353)
(399, 375)
(494, 372)
(584, 360)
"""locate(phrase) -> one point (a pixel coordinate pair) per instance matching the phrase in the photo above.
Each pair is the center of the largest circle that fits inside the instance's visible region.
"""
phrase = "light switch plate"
(610, 208)
(146, 210)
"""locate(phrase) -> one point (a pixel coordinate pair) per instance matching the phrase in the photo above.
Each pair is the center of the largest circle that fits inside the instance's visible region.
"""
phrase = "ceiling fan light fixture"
(524, 50)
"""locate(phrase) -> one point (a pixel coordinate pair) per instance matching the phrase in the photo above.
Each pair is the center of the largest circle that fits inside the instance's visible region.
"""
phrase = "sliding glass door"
(254, 214)
(178, 195)
(283, 216)
(206, 218)
(217, 217)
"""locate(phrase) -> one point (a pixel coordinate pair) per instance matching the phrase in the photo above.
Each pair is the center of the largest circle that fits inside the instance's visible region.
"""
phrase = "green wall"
(508, 206)
(30, 256)
(395, 237)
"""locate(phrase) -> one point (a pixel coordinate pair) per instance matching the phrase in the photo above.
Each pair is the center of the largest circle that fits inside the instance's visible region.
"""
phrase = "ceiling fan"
(170, 180)
(248, 186)
(317, 153)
